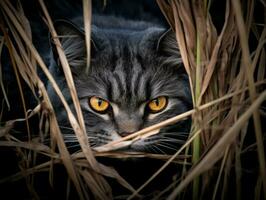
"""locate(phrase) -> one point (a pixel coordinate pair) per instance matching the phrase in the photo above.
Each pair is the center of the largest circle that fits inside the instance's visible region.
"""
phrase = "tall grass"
(227, 80)
(219, 63)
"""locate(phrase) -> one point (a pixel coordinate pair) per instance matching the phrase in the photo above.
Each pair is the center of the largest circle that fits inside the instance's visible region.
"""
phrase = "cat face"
(135, 80)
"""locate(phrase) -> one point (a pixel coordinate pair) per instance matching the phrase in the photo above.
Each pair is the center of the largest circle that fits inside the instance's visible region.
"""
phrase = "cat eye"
(157, 105)
(98, 104)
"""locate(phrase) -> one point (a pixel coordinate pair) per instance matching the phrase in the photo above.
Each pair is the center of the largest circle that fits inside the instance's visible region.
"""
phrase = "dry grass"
(211, 60)
(226, 81)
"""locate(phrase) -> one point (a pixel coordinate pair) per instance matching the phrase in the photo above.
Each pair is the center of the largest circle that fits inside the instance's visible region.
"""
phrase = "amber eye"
(157, 105)
(98, 104)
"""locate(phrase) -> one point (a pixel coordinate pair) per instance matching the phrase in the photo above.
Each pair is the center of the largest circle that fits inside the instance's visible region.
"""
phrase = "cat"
(136, 79)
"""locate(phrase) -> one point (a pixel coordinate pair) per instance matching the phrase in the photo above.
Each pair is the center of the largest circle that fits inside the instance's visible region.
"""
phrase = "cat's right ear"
(72, 39)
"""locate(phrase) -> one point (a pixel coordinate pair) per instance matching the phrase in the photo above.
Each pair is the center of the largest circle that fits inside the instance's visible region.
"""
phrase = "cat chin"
(138, 146)
(126, 146)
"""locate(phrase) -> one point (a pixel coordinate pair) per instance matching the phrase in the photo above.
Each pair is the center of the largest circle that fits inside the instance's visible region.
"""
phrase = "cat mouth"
(122, 146)
(156, 144)
(139, 143)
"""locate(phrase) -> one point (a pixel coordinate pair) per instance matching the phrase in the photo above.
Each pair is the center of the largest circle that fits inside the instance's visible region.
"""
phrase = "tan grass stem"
(252, 90)
(87, 29)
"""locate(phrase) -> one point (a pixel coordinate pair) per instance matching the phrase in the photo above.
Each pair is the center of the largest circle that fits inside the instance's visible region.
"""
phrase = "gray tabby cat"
(136, 79)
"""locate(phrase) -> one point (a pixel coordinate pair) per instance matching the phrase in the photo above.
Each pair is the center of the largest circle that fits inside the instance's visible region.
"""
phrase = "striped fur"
(132, 63)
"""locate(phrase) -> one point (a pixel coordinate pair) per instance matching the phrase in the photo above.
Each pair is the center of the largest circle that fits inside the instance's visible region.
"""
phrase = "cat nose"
(127, 130)
(127, 127)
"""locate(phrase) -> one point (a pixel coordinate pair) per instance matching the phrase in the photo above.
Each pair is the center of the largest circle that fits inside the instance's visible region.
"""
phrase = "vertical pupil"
(100, 102)
(157, 101)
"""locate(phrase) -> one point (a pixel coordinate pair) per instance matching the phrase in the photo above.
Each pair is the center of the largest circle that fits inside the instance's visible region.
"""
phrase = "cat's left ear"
(168, 48)
(167, 44)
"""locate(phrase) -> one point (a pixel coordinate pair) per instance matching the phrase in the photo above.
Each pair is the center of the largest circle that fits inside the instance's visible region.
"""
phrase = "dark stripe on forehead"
(136, 84)
(128, 85)
(129, 82)
(126, 53)
(139, 78)
(120, 85)
(148, 88)
(110, 89)
(128, 66)
(113, 61)
(140, 61)
(143, 89)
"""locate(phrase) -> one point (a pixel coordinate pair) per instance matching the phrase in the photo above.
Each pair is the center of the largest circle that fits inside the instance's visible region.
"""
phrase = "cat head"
(136, 79)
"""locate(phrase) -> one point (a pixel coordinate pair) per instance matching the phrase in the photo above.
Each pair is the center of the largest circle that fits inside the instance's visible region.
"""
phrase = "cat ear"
(167, 46)
(72, 39)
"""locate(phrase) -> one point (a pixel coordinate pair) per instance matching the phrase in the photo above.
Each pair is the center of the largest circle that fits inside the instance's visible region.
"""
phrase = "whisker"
(70, 136)
(152, 149)
(159, 149)
(167, 146)
(73, 146)
(172, 140)
(175, 145)
(179, 134)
